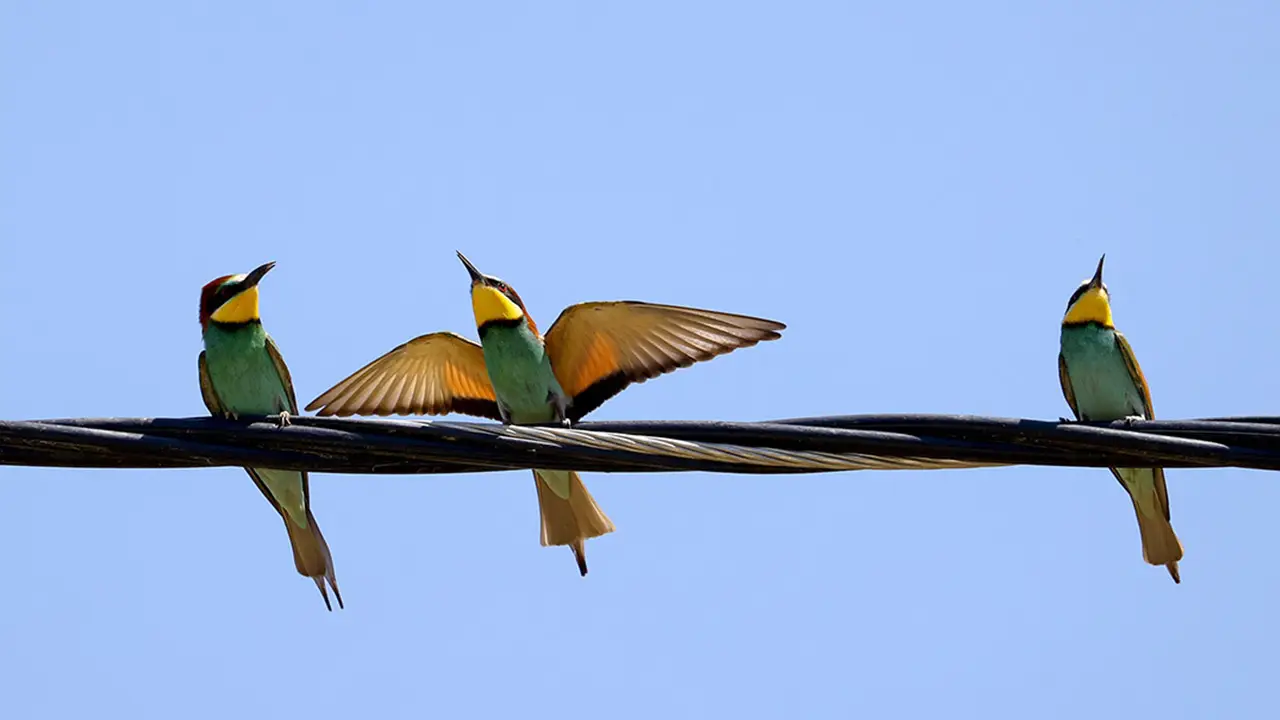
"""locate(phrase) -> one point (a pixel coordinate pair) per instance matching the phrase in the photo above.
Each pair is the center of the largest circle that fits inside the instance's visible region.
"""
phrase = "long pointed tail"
(1160, 545)
(310, 552)
(569, 521)
(312, 558)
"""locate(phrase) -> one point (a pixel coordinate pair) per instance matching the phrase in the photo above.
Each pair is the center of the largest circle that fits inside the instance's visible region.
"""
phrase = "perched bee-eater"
(1102, 381)
(517, 376)
(241, 372)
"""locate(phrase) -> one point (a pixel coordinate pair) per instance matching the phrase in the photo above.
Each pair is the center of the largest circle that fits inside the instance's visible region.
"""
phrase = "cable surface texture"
(805, 445)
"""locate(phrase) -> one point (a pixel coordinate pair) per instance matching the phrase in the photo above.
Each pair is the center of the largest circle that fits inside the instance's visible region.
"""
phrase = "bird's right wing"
(432, 374)
(1065, 380)
(207, 392)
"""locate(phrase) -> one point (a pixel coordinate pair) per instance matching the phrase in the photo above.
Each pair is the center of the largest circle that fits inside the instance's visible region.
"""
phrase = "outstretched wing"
(597, 349)
(433, 374)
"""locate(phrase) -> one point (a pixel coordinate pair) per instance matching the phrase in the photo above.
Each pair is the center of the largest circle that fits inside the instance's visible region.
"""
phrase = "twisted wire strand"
(800, 445)
(763, 459)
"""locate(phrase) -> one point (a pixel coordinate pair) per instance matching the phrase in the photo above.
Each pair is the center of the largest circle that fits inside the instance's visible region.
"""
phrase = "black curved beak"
(253, 278)
(476, 275)
(1097, 275)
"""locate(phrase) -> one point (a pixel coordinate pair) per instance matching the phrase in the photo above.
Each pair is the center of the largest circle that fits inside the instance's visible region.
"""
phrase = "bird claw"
(1062, 419)
(284, 418)
(1129, 420)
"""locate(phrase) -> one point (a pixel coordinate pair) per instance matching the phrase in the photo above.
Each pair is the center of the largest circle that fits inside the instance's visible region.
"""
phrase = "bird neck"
(490, 304)
(222, 338)
(1093, 306)
(508, 331)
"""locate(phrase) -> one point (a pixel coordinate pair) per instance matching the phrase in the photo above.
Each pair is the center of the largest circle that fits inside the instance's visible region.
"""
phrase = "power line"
(824, 444)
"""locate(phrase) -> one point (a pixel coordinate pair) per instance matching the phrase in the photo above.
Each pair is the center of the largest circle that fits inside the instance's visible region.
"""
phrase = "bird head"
(1090, 302)
(232, 299)
(493, 301)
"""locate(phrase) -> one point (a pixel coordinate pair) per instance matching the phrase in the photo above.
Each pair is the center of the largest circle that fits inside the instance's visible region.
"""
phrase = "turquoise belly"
(242, 373)
(520, 373)
(1099, 377)
(248, 383)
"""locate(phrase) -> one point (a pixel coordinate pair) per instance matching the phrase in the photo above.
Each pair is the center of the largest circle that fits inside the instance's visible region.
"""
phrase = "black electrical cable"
(823, 444)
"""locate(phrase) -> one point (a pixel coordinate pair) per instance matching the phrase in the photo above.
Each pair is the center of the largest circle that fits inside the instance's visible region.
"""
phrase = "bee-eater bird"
(517, 376)
(242, 373)
(1101, 380)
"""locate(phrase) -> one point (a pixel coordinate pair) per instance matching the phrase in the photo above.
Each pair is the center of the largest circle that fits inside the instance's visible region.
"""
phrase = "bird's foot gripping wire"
(1129, 420)
(560, 406)
(284, 418)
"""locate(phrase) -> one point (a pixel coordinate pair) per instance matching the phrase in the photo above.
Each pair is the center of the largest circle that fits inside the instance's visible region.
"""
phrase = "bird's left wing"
(1140, 381)
(283, 370)
(597, 349)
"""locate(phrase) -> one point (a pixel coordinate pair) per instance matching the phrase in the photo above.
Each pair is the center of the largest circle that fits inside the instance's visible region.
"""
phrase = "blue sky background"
(914, 188)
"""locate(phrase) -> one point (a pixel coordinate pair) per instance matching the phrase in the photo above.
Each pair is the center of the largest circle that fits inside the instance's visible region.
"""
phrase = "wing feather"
(1064, 379)
(1135, 373)
(599, 348)
(207, 393)
(432, 374)
(285, 377)
(1140, 381)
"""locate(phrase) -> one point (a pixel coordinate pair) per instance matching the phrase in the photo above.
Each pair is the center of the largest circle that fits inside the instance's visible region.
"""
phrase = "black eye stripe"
(1076, 295)
(506, 289)
(220, 296)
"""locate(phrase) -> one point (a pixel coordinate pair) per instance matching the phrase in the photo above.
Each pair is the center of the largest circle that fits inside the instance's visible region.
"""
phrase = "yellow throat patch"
(1092, 306)
(240, 309)
(490, 304)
